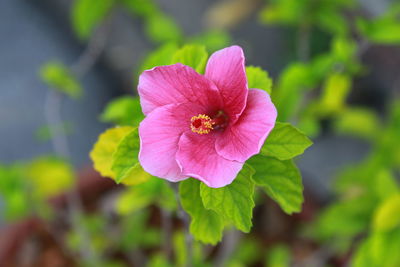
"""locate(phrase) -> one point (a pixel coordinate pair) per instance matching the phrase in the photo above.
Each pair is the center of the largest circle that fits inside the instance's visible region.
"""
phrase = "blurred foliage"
(325, 14)
(44, 133)
(123, 111)
(278, 256)
(86, 15)
(384, 29)
(59, 77)
(26, 187)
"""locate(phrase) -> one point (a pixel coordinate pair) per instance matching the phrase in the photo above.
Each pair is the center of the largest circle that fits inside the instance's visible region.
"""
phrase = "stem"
(227, 247)
(166, 224)
(186, 224)
(303, 42)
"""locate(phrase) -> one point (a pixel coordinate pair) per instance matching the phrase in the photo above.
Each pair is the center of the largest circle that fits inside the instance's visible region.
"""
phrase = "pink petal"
(197, 157)
(226, 69)
(159, 135)
(176, 84)
(245, 138)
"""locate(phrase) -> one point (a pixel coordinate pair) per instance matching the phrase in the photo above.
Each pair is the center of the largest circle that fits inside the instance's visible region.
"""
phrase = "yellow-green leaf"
(50, 176)
(105, 147)
(387, 216)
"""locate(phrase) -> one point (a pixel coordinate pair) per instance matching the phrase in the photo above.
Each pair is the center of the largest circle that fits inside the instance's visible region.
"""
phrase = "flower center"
(203, 124)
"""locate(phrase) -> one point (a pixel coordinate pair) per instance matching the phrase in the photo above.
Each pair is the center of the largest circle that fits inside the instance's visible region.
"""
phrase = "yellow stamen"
(201, 124)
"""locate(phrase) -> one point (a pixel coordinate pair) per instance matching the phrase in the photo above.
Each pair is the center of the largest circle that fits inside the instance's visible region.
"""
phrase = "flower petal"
(245, 138)
(176, 84)
(226, 68)
(159, 135)
(197, 157)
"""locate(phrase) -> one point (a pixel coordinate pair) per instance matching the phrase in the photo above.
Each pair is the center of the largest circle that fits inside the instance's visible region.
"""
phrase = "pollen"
(201, 124)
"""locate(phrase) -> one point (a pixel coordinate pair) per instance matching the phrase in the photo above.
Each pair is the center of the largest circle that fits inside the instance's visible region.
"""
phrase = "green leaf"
(161, 28)
(206, 225)
(258, 78)
(58, 76)
(160, 56)
(103, 150)
(125, 158)
(387, 216)
(285, 142)
(123, 110)
(86, 15)
(194, 56)
(233, 202)
(281, 180)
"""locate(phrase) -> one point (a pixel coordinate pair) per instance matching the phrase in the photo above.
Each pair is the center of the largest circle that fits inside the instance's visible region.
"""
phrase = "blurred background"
(336, 72)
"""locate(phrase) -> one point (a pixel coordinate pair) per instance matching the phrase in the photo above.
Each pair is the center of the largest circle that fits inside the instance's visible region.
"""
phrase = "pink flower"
(203, 127)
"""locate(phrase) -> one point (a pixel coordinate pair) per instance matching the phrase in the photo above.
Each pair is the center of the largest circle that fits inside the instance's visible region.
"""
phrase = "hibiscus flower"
(202, 126)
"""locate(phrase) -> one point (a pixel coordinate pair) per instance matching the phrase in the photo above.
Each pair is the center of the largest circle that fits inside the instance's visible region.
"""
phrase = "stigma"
(201, 124)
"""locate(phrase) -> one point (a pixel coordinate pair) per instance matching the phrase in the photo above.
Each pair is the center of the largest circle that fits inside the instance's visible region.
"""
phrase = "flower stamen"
(201, 124)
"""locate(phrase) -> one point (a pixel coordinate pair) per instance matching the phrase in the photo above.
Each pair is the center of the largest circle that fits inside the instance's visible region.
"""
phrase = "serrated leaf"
(124, 110)
(206, 225)
(281, 180)
(233, 202)
(387, 216)
(194, 56)
(258, 78)
(86, 15)
(285, 142)
(105, 147)
(125, 163)
(58, 76)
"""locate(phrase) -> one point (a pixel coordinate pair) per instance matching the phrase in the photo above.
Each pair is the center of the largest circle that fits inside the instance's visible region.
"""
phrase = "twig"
(303, 42)
(166, 224)
(227, 247)
(186, 224)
